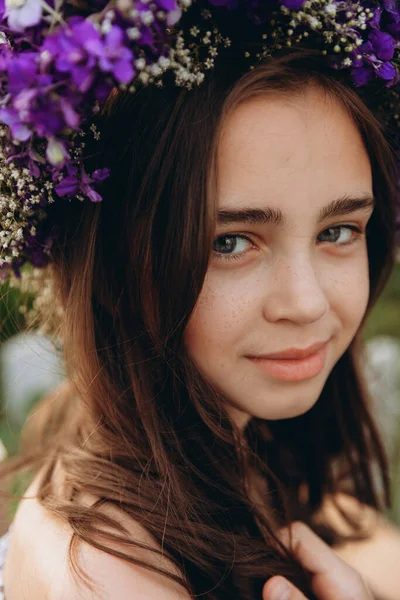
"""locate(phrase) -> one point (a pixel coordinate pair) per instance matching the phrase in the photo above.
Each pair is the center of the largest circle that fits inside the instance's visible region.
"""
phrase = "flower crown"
(60, 59)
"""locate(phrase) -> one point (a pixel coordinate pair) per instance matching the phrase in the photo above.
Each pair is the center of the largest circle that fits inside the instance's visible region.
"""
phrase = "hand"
(332, 578)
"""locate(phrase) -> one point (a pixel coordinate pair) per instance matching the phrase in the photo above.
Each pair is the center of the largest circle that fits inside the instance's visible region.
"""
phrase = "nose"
(295, 292)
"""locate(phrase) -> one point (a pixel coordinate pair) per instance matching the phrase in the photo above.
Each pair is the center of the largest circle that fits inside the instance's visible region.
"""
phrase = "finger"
(310, 550)
(332, 578)
(279, 588)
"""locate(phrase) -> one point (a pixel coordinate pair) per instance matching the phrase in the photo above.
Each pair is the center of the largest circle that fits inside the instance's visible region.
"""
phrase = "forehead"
(292, 151)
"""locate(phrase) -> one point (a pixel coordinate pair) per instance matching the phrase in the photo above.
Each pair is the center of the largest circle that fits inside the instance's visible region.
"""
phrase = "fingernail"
(280, 591)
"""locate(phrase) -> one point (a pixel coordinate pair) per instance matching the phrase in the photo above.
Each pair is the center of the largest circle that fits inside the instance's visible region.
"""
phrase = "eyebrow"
(272, 216)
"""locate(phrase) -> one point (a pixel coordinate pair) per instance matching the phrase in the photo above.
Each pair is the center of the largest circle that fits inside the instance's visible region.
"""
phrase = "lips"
(293, 364)
(293, 353)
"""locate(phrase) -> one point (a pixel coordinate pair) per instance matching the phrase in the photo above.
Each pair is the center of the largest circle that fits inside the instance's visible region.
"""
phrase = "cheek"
(350, 293)
(221, 317)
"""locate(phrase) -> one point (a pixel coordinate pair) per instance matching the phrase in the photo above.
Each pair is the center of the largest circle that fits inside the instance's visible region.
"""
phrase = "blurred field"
(385, 318)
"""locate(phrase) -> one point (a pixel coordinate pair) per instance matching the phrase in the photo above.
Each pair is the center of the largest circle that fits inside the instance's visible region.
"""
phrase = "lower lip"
(293, 369)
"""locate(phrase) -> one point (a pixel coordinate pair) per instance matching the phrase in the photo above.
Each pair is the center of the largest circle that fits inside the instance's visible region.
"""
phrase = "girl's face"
(287, 284)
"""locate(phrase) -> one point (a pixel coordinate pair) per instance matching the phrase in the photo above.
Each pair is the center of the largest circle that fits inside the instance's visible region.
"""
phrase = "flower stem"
(56, 15)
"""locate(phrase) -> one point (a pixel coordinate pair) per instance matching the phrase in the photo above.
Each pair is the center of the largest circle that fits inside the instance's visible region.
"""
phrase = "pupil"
(332, 234)
(224, 245)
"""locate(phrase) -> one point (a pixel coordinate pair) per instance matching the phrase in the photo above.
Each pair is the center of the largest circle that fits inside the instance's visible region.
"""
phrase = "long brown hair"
(142, 430)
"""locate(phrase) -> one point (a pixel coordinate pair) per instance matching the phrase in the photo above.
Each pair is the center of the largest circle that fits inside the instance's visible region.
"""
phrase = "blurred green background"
(382, 335)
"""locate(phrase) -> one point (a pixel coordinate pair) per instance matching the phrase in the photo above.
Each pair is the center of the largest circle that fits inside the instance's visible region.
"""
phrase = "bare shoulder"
(333, 509)
(37, 563)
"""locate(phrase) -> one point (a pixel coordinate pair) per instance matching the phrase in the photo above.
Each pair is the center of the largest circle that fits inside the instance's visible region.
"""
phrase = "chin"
(291, 405)
(295, 411)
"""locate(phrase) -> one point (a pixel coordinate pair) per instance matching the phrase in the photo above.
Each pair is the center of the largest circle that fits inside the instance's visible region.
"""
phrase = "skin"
(289, 285)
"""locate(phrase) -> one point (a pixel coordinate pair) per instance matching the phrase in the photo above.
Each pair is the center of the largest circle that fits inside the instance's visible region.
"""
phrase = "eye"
(228, 247)
(341, 235)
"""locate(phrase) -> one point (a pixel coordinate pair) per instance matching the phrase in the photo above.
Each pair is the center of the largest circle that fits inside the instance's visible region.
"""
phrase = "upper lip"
(294, 353)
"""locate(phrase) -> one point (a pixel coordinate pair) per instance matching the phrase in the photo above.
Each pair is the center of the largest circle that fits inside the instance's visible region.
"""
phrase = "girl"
(212, 309)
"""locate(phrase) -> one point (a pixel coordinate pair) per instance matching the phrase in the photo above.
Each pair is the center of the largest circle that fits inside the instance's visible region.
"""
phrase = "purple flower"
(70, 115)
(371, 66)
(292, 4)
(112, 55)
(23, 102)
(66, 49)
(375, 21)
(23, 13)
(97, 177)
(382, 44)
(167, 5)
(100, 175)
(391, 18)
(19, 130)
(46, 116)
(80, 50)
(22, 71)
(45, 112)
(71, 185)
(375, 60)
(386, 71)
(33, 159)
(146, 34)
(387, 18)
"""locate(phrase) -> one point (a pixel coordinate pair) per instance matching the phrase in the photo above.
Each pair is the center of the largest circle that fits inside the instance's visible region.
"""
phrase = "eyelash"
(227, 257)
